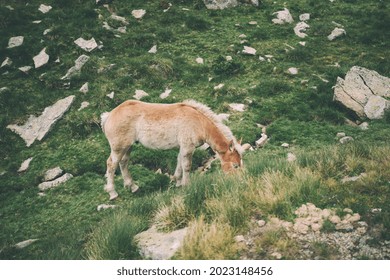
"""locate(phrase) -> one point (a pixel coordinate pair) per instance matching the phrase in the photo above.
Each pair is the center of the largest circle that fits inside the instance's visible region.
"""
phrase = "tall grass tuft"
(205, 241)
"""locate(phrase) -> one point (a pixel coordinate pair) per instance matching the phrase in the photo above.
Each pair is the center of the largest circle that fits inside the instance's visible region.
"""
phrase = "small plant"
(224, 67)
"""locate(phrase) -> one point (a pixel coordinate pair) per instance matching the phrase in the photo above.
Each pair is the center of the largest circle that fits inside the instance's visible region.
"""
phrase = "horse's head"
(231, 160)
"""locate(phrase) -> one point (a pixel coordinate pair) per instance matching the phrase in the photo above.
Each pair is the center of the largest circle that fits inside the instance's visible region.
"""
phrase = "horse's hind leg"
(127, 180)
(112, 165)
(179, 171)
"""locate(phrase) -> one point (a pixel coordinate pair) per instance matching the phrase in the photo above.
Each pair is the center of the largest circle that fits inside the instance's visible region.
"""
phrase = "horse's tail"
(103, 119)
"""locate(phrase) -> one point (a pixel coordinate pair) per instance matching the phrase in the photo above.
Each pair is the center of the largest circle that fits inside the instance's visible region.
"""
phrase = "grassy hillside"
(297, 109)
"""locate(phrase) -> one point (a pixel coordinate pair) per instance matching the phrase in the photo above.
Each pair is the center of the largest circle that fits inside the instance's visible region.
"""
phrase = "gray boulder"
(364, 91)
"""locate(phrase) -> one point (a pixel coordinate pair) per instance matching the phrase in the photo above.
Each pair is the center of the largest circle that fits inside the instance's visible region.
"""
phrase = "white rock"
(105, 206)
(79, 63)
(304, 17)
(249, 50)
(337, 32)
(139, 94)
(292, 70)
(44, 9)
(166, 93)
(262, 140)
(25, 243)
(157, 245)
(252, 22)
(345, 139)
(283, 17)
(340, 135)
(85, 88)
(237, 107)
(199, 60)
(138, 14)
(87, 45)
(364, 126)
(218, 87)
(7, 62)
(25, 69)
(15, 42)
(153, 49)
(53, 173)
(47, 31)
(25, 164)
(38, 127)
(83, 105)
(261, 223)
(229, 58)
(41, 59)
(220, 4)
(285, 145)
(300, 29)
(111, 95)
(51, 184)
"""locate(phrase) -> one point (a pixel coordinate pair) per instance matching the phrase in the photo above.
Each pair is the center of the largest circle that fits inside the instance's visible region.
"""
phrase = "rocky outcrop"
(157, 245)
(364, 91)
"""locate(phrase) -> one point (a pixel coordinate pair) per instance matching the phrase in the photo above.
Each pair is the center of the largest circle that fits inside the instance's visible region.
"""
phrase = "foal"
(185, 125)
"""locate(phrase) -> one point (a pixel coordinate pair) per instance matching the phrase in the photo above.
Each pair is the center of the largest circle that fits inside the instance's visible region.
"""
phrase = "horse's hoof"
(134, 188)
(113, 195)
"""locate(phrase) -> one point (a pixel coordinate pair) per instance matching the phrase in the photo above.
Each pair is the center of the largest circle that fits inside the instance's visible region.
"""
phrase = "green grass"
(302, 114)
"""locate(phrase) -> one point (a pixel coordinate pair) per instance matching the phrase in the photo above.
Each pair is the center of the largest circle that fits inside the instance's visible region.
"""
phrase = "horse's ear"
(239, 142)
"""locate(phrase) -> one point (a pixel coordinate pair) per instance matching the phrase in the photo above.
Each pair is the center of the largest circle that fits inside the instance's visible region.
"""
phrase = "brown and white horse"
(185, 125)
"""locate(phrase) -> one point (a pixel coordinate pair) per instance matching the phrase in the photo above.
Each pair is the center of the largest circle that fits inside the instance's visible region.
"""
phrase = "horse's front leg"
(127, 180)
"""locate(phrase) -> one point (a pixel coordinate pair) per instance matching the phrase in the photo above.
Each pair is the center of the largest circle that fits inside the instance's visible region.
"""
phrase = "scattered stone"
(345, 139)
(261, 223)
(7, 62)
(283, 17)
(87, 45)
(249, 50)
(239, 239)
(44, 9)
(138, 14)
(220, 4)
(157, 245)
(276, 255)
(47, 31)
(54, 183)
(237, 107)
(229, 58)
(105, 206)
(111, 95)
(25, 164)
(292, 71)
(300, 29)
(363, 126)
(53, 173)
(218, 87)
(334, 219)
(199, 60)
(37, 21)
(252, 22)
(74, 70)
(9, 7)
(337, 32)
(262, 140)
(285, 145)
(25, 243)
(84, 88)
(83, 105)
(166, 93)
(139, 94)
(25, 69)
(340, 135)
(41, 59)
(304, 17)
(15, 42)
(38, 127)
(153, 49)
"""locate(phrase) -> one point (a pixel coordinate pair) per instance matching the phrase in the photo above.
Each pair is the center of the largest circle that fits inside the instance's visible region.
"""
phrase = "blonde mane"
(208, 113)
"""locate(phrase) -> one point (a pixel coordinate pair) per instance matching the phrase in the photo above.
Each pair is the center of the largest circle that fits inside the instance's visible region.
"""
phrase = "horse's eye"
(236, 165)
